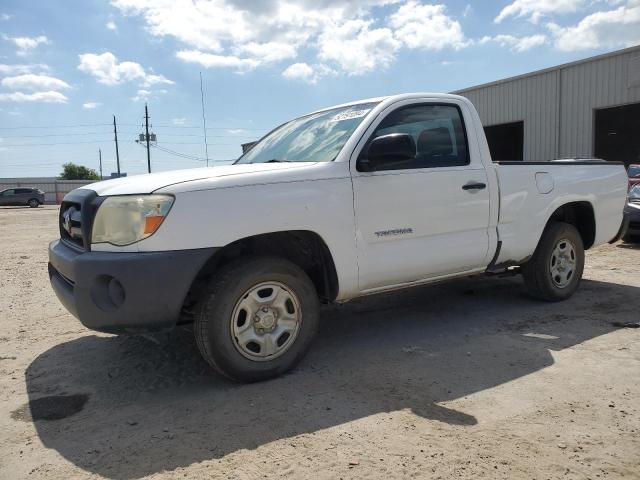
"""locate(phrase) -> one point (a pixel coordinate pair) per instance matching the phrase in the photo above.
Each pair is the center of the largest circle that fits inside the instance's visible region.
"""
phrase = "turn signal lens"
(151, 223)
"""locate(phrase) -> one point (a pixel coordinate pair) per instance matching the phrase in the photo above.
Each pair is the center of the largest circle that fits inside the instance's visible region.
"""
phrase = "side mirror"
(387, 150)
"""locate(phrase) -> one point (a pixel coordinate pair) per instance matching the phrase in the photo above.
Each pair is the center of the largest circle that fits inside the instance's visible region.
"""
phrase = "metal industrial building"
(588, 108)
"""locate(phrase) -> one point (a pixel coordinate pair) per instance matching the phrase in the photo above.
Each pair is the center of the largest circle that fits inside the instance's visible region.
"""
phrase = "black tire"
(33, 203)
(537, 272)
(213, 318)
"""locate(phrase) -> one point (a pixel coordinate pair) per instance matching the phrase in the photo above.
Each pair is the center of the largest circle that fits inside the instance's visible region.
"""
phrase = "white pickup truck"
(348, 201)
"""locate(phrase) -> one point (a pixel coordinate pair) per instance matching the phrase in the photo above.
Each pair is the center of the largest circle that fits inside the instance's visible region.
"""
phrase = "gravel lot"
(470, 379)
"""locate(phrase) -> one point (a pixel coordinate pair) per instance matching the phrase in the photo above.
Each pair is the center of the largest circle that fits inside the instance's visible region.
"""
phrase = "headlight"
(126, 219)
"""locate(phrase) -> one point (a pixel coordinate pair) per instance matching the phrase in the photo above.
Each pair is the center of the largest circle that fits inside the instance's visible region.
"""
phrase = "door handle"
(474, 186)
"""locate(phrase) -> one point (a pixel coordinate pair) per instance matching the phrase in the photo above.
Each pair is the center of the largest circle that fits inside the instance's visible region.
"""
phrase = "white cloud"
(111, 25)
(347, 35)
(298, 71)
(91, 105)
(269, 51)
(210, 60)
(519, 44)
(21, 68)
(142, 95)
(27, 44)
(179, 121)
(5, 16)
(145, 95)
(356, 48)
(108, 71)
(34, 82)
(200, 24)
(535, 9)
(44, 97)
(215, 25)
(426, 26)
(153, 79)
(248, 56)
(608, 29)
(307, 73)
(468, 10)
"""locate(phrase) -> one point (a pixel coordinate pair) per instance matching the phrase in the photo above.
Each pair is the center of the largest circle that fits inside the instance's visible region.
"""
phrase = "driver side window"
(438, 132)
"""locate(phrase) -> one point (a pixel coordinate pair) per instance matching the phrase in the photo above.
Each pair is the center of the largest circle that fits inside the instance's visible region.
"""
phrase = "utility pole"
(146, 127)
(100, 157)
(204, 122)
(115, 136)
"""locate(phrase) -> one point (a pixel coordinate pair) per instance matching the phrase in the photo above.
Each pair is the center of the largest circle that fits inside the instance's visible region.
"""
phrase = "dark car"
(634, 175)
(632, 214)
(32, 197)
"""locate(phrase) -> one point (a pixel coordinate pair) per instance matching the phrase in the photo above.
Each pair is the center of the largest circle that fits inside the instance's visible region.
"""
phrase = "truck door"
(426, 217)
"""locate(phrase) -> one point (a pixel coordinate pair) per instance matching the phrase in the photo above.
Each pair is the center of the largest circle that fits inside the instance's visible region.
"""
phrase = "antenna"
(204, 122)
(115, 135)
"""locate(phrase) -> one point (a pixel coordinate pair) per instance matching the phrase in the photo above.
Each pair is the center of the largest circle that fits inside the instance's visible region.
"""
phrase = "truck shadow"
(156, 406)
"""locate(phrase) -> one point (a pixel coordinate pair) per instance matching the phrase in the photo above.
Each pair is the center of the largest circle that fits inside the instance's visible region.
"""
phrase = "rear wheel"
(34, 203)
(555, 270)
(257, 318)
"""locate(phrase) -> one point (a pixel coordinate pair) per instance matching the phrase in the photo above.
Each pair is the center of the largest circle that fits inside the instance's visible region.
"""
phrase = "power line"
(190, 157)
(77, 134)
(50, 144)
(103, 141)
(57, 126)
(179, 154)
(208, 128)
(56, 135)
(200, 143)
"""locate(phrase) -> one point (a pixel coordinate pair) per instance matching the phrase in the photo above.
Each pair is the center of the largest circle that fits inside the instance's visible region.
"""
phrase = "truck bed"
(527, 187)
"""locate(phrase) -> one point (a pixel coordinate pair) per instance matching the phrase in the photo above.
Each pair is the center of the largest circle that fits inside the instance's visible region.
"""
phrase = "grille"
(71, 223)
(76, 215)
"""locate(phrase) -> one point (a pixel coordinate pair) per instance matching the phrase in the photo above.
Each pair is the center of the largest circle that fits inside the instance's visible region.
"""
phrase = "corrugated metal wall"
(54, 189)
(557, 105)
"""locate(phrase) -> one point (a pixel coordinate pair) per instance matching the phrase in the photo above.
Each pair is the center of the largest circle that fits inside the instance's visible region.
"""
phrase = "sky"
(67, 67)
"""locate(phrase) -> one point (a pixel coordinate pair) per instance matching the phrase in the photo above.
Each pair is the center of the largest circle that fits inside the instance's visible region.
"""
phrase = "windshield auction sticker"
(348, 115)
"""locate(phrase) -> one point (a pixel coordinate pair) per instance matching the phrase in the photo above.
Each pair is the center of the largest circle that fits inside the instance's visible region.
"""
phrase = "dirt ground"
(470, 379)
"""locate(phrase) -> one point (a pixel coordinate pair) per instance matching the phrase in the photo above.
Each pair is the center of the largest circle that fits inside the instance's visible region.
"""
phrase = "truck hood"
(149, 183)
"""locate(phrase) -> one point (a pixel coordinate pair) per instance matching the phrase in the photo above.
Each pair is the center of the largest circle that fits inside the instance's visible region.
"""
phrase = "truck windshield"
(318, 137)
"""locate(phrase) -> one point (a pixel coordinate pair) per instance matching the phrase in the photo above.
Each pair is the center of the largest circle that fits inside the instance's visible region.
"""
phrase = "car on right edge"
(632, 214)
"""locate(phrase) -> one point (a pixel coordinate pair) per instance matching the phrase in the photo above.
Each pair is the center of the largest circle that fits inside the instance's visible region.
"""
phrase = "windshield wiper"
(275, 160)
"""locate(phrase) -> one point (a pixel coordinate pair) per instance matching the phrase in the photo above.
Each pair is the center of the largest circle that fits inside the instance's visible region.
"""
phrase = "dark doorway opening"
(617, 134)
(506, 141)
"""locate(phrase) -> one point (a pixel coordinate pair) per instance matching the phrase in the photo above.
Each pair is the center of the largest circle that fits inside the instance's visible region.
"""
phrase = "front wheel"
(555, 270)
(257, 318)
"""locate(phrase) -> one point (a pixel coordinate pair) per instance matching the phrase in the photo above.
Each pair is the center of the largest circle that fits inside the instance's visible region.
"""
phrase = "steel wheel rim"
(265, 321)
(562, 264)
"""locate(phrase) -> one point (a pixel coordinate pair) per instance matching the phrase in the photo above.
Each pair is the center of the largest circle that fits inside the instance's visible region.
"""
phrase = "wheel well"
(581, 216)
(302, 247)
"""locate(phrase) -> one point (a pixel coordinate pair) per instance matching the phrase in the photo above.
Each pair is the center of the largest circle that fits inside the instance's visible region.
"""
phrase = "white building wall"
(557, 105)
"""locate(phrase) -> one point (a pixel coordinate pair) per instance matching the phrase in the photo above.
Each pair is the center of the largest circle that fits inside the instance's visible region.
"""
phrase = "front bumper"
(124, 292)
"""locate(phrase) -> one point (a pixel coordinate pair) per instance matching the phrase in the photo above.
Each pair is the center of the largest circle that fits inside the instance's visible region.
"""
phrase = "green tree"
(71, 171)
